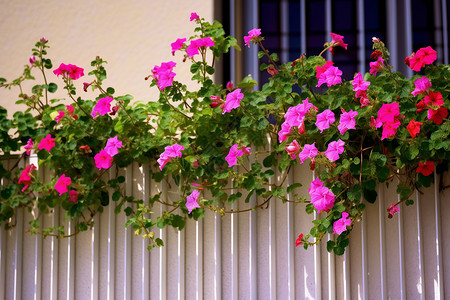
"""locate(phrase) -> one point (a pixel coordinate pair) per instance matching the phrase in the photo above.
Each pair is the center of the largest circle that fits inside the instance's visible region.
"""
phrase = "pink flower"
(252, 34)
(25, 176)
(359, 84)
(423, 56)
(163, 74)
(375, 123)
(392, 210)
(324, 119)
(337, 40)
(103, 160)
(29, 146)
(334, 149)
(192, 201)
(426, 168)
(69, 70)
(230, 85)
(43, 40)
(316, 183)
(298, 241)
(295, 115)
(246, 150)
(390, 129)
(32, 59)
(73, 196)
(423, 85)
(388, 112)
(195, 44)
(169, 152)
(293, 149)
(320, 70)
(112, 145)
(347, 121)
(232, 100)
(414, 127)
(102, 107)
(59, 116)
(62, 183)
(194, 16)
(233, 154)
(177, 45)
(331, 76)
(321, 197)
(47, 143)
(376, 66)
(341, 225)
(284, 132)
(309, 151)
(71, 109)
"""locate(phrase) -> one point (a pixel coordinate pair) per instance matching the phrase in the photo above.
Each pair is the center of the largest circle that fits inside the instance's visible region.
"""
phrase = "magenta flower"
(295, 115)
(25, 176)
(341, 225)
(284, 132)
(71, 110)
(192, 201)
(388, 112)
(163, 74)
(169, 153)
(320, 70)
(62, 184)
(177, 45)
(73, 196)
(47, 143)
(337, 40)
(112, 145)
(251, 35)
(232, 100)
(324, 119)
(347, 121)
(69, 70)
(102, 107)
(376, 66)
(390, 129)
(321, 197)
(331, 76)
(230, 86)
(423, 86)
(32, 59)
(423, 56)
(359, 84)
(309, 151)
(392, 210)
(103, 160)
(59, 116)
(29, 146)
(194, 16)
(195, 44)
(233, 154)
(334, 149)
(316, 183)
(293, 149)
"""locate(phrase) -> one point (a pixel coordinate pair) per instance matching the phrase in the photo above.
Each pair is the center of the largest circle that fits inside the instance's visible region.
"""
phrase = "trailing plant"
(211, 142)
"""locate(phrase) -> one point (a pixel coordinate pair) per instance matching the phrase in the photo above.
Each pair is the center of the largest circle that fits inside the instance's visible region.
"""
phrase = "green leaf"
(290, 188)
(52, 87)
(116, 196)
(110, 90)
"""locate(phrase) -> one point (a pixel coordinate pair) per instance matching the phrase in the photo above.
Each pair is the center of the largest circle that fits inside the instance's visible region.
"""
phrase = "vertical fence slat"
(217, 256)
(439, 287)
(199, 258)
(253, 242)
(381, 211)
(272, 241)
(2, 263)
(328, 25)
(391, 25)
(235, 252)
(331, 272)
(128, 231)
(290, 243)
(303, 26)
(361, 36)
(364, 269)
(284, 17)
(401, 254)
(421, 283)
(94, 257)
(54, 258)
(111, 278)
(18, 254)
(163, 252)
(144, 172)
(445, 30)
(346, 275)
(70, 263)
(408, 40)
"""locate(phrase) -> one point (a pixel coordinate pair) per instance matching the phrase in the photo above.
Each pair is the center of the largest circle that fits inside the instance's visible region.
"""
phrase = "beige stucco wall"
(132, 36)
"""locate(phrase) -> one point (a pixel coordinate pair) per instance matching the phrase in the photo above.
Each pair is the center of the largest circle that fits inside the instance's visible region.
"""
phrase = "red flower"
(298, 241)
(413, 128)
(437, 115)
(423, 56)
(375, 54)
(426, 168)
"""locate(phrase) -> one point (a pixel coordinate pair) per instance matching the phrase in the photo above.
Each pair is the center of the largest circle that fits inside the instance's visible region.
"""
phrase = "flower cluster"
(164, 74)
(104, 159)
(169, 153)
(71, 71)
